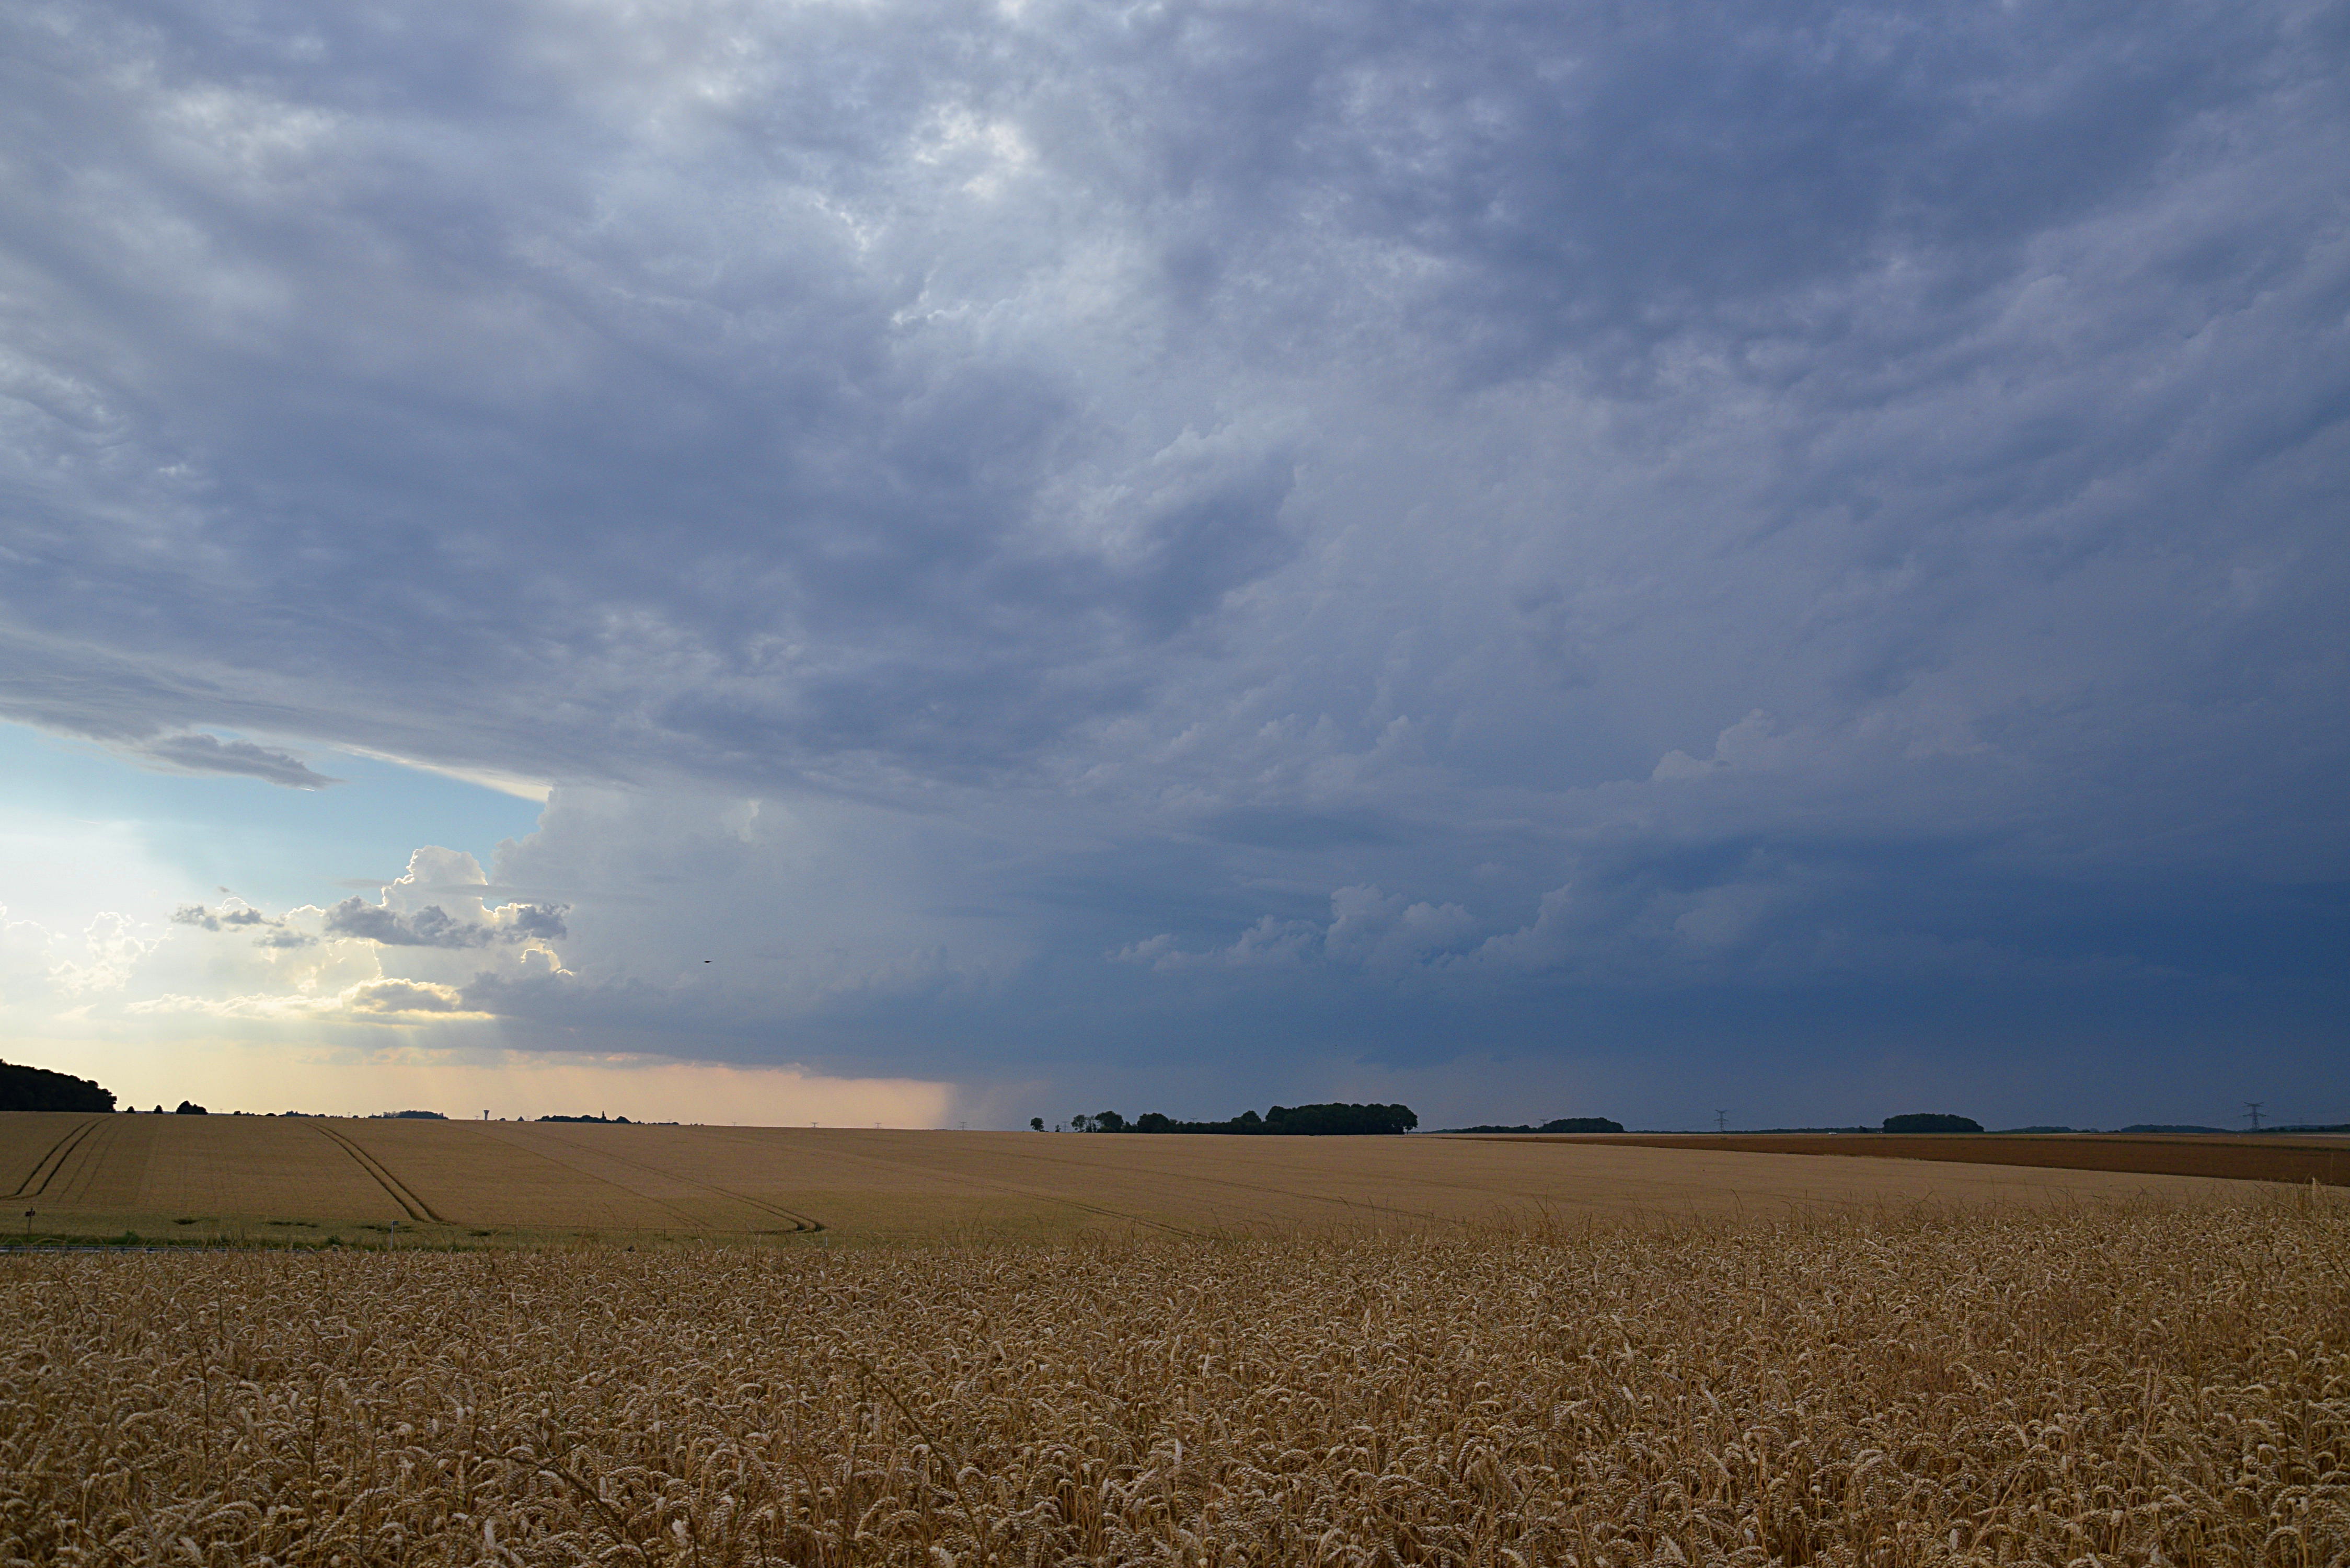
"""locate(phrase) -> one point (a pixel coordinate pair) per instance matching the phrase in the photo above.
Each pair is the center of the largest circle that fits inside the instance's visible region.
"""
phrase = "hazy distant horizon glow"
(967, 562)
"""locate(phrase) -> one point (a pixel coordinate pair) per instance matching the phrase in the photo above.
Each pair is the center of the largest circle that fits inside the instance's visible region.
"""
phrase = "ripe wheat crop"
(2133, 1384)
(247, 1178)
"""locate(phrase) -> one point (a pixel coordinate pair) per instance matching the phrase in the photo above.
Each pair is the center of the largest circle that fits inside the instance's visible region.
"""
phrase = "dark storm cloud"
(699, 448)
(1448, 501)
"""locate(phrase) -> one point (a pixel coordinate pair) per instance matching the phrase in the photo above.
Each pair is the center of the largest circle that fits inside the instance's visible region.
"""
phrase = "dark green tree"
(1311, 1121)
(39, 1089)
(1932, 1123)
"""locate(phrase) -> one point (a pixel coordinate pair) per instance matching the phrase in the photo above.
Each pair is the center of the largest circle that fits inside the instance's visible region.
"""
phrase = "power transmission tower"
(2253, 1112)
(1721, 1121)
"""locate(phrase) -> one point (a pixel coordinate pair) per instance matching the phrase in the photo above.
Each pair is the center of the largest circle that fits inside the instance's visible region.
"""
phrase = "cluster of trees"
(1932, 1123)
(1307, 1121)
(39, 1089)
(1563, 1125)
(615, 1121)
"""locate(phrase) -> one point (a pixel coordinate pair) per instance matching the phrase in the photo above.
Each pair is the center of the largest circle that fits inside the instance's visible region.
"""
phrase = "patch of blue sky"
(193, 835)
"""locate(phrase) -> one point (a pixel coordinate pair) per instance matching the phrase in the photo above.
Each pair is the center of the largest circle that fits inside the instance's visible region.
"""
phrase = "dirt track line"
(799, 1222)
(415, 1207)
(685, 1217)
(38, 1180)
(84, 1166)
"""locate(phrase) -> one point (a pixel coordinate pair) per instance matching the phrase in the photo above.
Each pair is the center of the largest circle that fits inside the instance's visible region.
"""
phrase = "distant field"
(307, 1179)
(2280, 1158)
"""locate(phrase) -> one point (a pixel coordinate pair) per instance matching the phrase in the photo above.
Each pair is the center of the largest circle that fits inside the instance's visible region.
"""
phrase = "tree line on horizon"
(1338, 1120)
(28, 1088)
(1561, 1125)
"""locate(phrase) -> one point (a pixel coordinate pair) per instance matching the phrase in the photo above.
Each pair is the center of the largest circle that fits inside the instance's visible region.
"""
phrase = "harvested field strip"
(414, 1207)
(2234, 1160)
(2113, 1384)
(36, 1180)
(799, 1222)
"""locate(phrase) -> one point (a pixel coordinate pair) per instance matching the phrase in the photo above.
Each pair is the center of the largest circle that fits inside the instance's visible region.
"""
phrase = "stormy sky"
(1536, 559)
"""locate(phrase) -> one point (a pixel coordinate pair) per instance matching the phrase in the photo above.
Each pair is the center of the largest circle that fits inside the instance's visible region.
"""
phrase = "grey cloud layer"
(269, 931)
(203, 753)
(434, 927)
(1682, 496)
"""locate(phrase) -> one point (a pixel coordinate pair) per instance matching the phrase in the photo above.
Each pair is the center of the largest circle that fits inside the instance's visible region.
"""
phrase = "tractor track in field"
(803, 1222)
(401, 1194)
(36, 1181)
(685, 1217)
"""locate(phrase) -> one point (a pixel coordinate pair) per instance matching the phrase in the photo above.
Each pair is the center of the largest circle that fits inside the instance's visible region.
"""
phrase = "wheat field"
(493, 1183)
(2135, 1383)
